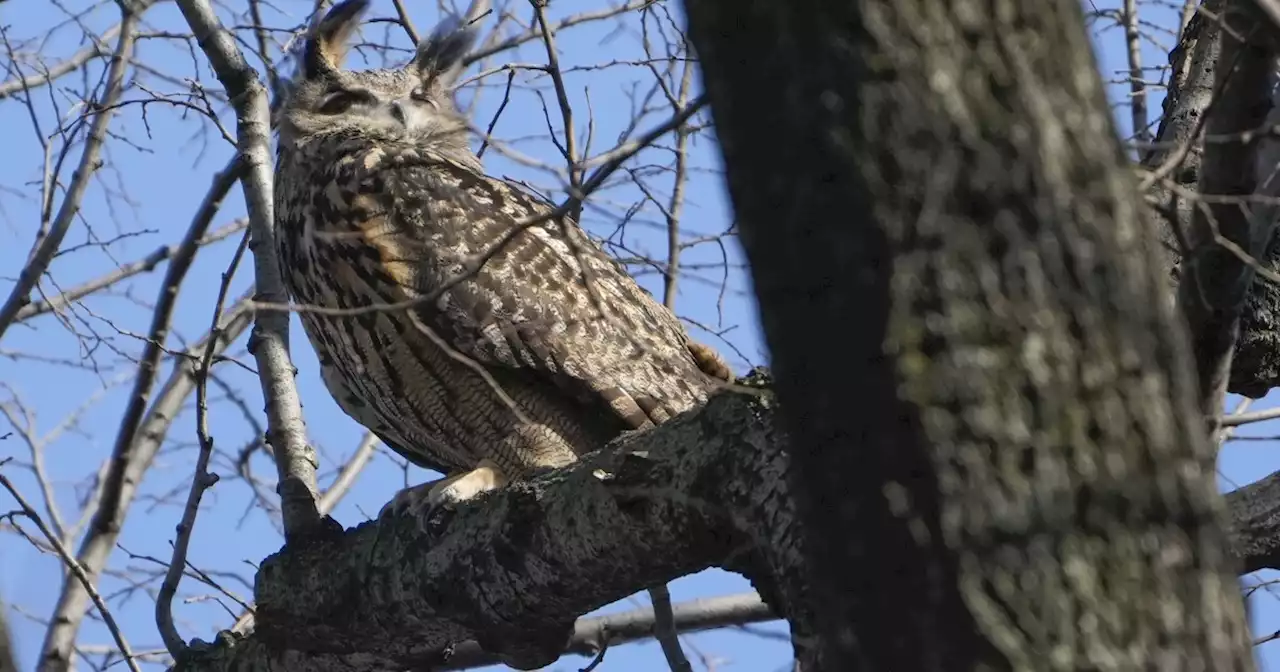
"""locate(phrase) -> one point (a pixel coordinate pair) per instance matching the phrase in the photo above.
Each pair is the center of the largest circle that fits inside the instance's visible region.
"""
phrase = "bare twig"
(124, 272)
(202, 480)
(562, 97)
(109, 517)
(98, 543)
(97, 49)
(406, 22)
(76, 570)
(506, 98)
(664, 629)
(1238, 419)
(342, 484)
(50, 238)
(534, 33)
(1137, 86)
(676, 205)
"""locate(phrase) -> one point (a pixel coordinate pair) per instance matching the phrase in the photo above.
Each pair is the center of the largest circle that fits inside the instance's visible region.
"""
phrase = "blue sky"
(148, 193)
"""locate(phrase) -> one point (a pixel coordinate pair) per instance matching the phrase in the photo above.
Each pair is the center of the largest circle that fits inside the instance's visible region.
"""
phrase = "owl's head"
(410, 104)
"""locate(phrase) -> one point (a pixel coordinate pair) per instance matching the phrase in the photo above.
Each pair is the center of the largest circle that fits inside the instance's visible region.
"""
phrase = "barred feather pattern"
(545, 351)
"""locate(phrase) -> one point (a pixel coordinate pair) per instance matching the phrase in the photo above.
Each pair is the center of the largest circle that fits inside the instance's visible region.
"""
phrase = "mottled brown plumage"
(544, 351)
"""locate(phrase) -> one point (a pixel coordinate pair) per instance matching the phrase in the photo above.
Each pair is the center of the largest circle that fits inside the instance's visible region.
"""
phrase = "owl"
(475, 334)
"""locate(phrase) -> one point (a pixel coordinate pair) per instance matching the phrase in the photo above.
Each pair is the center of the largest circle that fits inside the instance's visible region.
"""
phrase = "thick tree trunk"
(1194, 66)
(1215, 278)
(990, 399)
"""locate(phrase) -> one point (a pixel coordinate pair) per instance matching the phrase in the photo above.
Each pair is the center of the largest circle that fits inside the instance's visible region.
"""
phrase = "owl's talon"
(431, 516)
(426, 500)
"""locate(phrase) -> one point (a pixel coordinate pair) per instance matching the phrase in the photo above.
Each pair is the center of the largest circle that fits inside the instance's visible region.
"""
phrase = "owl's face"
(413, 104)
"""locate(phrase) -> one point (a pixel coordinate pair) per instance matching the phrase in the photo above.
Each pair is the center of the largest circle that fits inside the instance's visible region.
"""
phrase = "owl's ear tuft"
(439, 59)
(327, 40)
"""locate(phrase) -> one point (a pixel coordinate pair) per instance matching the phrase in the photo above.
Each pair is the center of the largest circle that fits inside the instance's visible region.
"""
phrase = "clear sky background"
(148, 193)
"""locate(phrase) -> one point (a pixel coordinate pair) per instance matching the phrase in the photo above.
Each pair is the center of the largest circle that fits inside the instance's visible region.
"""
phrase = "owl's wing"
(541, 300)
(357, 408)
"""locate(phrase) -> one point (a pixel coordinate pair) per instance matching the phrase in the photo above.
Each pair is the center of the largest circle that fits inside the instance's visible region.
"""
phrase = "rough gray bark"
(1009, 434)
(515, 569)
(1255, 524)
(1215, 279)
(1192, 65)
(710, 489)
(1255, 368)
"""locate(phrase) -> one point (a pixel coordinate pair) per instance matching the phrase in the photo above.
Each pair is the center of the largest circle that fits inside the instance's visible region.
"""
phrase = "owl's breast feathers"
(536, 303)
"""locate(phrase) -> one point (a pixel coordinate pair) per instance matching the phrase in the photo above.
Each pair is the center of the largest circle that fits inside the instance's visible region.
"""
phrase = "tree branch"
(706, 489)
(592, 635)
(1178, 151)
(125, 271)
(99, 48)
(118, 492)
(76, 571)
(1215, 280)
(286, 432)
(48, 240)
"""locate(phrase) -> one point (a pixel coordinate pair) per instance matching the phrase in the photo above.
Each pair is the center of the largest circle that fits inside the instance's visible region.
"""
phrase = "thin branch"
(676, 205)
(286, 432)
(125, 477)
(406, 22)
(1137, 85)
(562, 97)
(202, 480)
(592, 635)
(124, 272)
(109, 517)
(664, 629)
(1238, 419)
(48, 241)
(342, 484)
(534, 33)
(76, 570)
(506, 98)
(71, 63)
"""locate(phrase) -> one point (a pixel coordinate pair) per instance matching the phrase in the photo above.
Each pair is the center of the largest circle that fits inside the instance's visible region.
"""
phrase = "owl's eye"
(341, 101)
(421, 96)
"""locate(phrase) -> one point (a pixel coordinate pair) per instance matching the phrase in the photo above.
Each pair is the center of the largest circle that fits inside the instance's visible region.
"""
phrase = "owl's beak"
(400, 111)
(408, 115)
